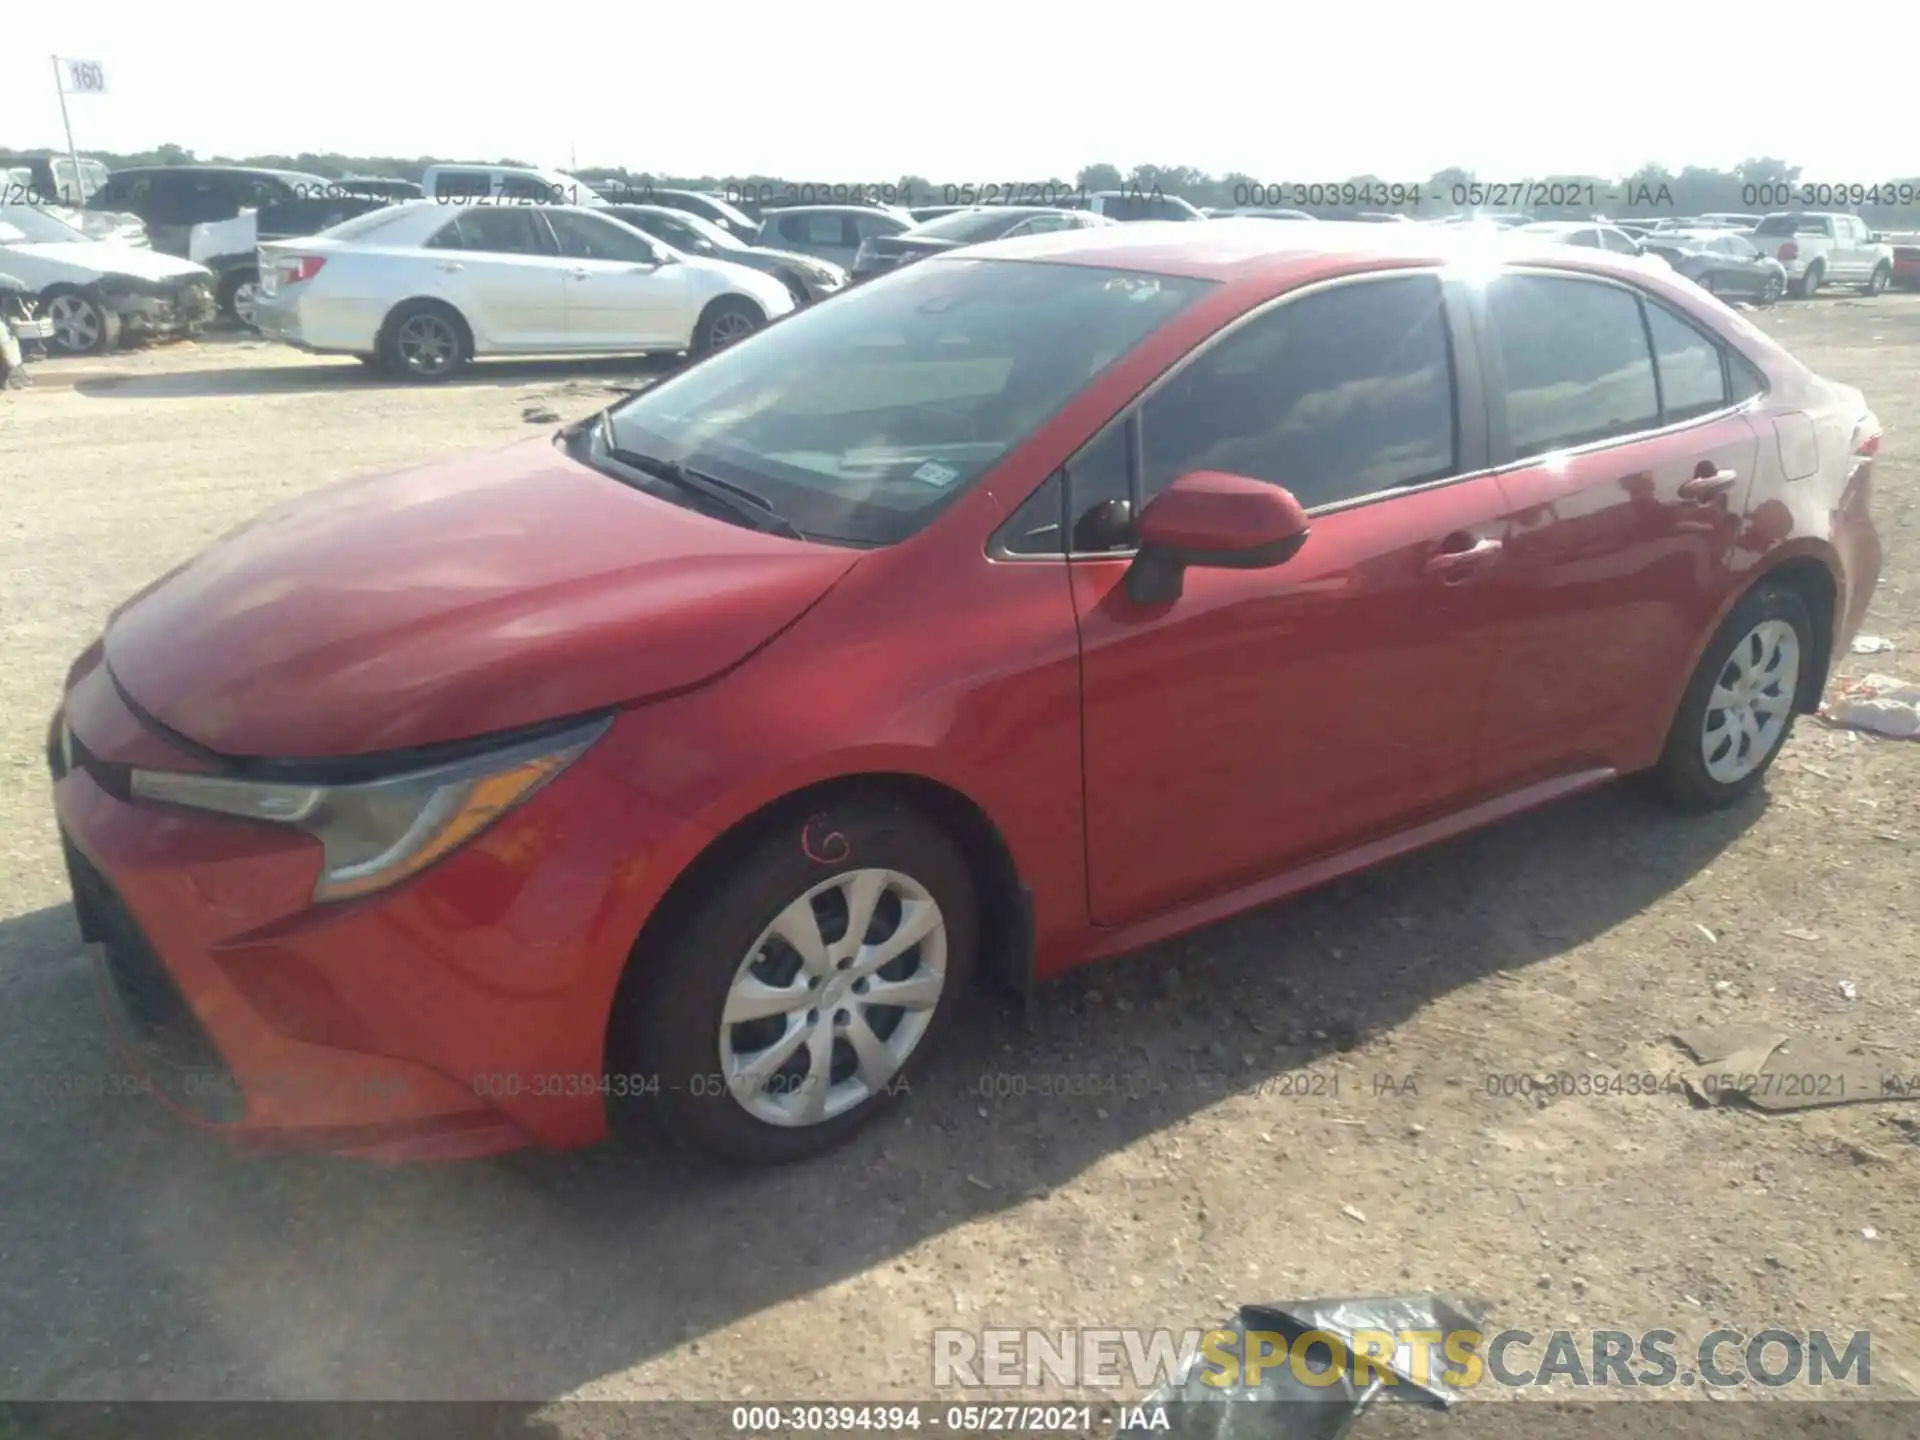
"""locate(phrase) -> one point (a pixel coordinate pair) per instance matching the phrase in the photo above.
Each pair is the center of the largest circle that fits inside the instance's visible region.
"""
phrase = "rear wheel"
(1739, 706)
(1882, 274)
(794, 1005)
(727, 321)
(425, 340)
(237, 294)
(1810, 282)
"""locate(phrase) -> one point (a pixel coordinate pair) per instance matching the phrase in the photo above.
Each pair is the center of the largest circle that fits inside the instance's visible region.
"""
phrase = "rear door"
(618, 294)
(1269, 717)
(1628, 462)
(499, 269)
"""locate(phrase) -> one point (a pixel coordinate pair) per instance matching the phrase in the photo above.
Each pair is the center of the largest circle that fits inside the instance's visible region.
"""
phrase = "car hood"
(452, 600)
(771, 294)
(109, 257)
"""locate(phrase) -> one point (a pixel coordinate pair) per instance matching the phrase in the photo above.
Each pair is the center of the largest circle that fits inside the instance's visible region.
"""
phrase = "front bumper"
(40, 329)
(173, 307)
(459, 1014)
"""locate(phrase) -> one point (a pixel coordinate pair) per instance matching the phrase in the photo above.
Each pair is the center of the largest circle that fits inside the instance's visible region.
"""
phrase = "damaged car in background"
(99, 292)
(18, 327)
(231, 248)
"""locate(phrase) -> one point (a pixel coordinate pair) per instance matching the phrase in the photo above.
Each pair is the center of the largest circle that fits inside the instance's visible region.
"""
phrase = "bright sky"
(981, 91)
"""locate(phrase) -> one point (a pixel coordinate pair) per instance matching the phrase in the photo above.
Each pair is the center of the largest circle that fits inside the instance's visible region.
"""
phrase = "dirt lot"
(1294, 1103)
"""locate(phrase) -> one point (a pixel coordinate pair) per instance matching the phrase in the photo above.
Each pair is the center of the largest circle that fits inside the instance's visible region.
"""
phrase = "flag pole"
(79, 186)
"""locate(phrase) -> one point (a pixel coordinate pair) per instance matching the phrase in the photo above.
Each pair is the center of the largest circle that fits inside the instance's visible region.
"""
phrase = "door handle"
(451, 266)
(1448, 562)
(580, 274)
(1707, 481)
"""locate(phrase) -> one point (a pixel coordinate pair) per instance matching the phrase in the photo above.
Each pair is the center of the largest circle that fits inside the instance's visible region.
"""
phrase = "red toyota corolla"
(1017, 609)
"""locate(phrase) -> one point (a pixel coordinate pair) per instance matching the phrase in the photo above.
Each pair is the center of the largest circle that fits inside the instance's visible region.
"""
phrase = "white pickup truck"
(1821, 247)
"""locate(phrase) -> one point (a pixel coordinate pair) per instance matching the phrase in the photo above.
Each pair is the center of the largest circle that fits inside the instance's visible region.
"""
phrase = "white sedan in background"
(424, 287)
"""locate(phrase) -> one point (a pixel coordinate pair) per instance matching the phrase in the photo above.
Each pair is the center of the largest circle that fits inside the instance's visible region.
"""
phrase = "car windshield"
(967, 225)
(361, 226)
(861, 419)
(27, 224)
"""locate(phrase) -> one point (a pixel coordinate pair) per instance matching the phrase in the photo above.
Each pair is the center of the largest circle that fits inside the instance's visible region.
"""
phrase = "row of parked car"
(560, 264)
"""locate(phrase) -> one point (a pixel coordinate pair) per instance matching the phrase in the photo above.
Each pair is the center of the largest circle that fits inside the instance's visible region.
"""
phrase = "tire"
(1706, 283)
(1750, 652)
(81, 325)
(237, 289)
(425, 340)
(794, 288)
(1772, 290)
(669, 1023)
(727, 321)
(1810, 282)
(1882, 275)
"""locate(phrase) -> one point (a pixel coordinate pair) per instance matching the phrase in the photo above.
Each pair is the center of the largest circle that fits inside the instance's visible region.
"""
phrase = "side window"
(866, 227)
(1576, 360)
(794, 228)
(527, 189)
(588, 237)
(681, 237)
(462, 185)
(1618, 243)
(1743, 380)
(1692, 379)
(1589, 238)
(1100, 491)
(1034, 529)
(495, 232)
(1336, 395)
(830, 229)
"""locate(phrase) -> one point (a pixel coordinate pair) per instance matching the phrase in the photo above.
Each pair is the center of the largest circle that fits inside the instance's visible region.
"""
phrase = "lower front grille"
(179, 1056)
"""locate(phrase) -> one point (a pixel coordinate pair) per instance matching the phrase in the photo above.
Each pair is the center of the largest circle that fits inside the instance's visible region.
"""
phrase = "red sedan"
(1018, 609)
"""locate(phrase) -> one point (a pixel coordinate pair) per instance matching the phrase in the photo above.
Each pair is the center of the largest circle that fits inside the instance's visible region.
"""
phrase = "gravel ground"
(1292, 1103)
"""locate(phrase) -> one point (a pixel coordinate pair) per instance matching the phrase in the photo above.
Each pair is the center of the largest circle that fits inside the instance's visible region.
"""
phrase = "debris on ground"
(1772, 1072)
(1883, 704)
(1196, 1404)
(1871, 645)
(539, 415)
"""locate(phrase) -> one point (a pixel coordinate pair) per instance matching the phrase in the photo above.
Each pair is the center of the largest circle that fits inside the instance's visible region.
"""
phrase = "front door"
(619, 294)
(1268, 717)
(1635, 462)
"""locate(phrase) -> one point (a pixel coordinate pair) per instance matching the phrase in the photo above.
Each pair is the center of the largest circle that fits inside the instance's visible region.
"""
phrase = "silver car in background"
(830, 232)
(423, 287)
(808, 278)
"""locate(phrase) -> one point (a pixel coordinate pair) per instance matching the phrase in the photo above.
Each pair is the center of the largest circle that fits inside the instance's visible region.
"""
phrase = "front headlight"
(379, 832)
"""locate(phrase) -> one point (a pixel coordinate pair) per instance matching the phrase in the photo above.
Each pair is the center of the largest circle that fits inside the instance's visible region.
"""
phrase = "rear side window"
(1339, 394)
(1692, 375)
(1617, 242)
(1589, 238)
(1577, 367)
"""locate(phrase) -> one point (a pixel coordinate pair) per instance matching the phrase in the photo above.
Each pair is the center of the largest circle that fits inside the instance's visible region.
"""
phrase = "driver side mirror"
(1216, 521)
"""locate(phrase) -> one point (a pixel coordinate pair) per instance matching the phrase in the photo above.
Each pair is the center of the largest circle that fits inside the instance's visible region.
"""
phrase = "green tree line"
(1755, 185)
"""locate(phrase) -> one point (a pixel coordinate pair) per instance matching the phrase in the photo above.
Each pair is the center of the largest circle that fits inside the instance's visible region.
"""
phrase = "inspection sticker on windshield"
(934, 473)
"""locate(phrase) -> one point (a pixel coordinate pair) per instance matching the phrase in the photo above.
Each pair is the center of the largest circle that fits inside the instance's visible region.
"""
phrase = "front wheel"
(1739, 706)
(727, 321)
(1882, 275)
(81, 324)
(1772, 290)
(797, 1002)
(1810, 282)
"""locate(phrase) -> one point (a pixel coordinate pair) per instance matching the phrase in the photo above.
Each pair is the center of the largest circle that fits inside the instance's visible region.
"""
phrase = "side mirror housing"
(1216, 521)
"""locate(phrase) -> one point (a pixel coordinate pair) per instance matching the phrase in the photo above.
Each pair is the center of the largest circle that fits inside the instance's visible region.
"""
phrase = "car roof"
(1243, 248)
(895, 212)
(292, 175)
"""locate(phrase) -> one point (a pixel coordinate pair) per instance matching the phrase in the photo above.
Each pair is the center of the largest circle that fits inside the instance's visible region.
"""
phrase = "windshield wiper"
(755, 509)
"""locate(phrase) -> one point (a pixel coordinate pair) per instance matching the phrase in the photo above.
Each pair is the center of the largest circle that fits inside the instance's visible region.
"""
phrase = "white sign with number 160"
(85, 77)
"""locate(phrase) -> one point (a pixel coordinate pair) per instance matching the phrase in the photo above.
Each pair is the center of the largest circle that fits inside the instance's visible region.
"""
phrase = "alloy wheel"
(1772, 290)
(77, 323)
(833, 997)
(244, 295)
(1751, 702)
(729, 327)
(427, 343)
